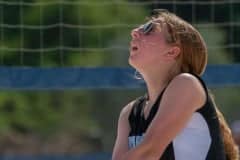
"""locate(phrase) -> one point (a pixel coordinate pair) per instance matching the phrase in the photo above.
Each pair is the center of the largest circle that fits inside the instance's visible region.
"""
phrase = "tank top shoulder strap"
(206, 91)
(201, 81)
(136, 109)
(135, 115)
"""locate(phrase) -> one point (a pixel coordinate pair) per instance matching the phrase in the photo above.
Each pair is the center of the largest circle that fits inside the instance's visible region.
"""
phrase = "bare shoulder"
(189, 86)
(187, 77)
(187, 80)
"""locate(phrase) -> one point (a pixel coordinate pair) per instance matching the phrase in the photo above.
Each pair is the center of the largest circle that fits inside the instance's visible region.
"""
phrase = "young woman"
(177, 119)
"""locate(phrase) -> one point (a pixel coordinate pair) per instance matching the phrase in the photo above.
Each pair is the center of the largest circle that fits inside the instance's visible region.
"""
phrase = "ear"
(173, 53)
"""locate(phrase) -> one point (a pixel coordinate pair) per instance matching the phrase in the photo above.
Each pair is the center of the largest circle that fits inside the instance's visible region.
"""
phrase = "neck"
(157, 82)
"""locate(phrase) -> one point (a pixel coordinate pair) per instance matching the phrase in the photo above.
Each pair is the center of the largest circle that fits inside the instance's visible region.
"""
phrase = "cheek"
(153, 49)
(155, 54)
(154, 44)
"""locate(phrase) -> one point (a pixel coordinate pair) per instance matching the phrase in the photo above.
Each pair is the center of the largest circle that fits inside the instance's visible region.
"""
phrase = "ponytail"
(230, 147)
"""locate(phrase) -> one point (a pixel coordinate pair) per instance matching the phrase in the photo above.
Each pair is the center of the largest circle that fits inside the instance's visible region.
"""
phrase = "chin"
(134, 63)
(137, 60)
(130, 61)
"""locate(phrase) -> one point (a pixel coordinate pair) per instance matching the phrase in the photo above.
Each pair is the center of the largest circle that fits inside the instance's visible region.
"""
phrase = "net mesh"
(96, 33)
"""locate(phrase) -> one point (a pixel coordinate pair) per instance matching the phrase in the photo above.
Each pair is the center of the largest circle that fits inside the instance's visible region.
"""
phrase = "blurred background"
(73, 34)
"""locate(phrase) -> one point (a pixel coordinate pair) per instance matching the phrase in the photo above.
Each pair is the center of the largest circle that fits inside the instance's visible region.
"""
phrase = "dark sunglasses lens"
(147, 27)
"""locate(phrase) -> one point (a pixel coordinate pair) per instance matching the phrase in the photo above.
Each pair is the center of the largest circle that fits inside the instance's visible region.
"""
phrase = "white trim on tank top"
(193, 142)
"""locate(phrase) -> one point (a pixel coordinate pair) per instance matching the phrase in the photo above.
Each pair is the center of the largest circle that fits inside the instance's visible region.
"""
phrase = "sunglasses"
(147, 27)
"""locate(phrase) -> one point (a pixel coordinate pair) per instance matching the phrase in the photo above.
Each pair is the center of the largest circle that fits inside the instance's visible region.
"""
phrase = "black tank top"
(200, 140)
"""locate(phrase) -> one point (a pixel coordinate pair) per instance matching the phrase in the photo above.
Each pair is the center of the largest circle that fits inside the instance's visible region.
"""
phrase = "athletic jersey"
(199, 140)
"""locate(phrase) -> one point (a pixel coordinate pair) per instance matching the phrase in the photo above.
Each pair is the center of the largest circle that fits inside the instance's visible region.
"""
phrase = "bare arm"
(182, 98)
(121, 144)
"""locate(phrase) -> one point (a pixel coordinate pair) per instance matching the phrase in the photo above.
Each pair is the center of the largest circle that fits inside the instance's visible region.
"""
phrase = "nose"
(135, 33)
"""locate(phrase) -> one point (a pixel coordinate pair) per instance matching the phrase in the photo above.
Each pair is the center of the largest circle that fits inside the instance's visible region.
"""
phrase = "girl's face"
(148, 45)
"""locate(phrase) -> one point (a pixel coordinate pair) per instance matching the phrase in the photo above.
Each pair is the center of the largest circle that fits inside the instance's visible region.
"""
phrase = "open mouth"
(134, 48)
